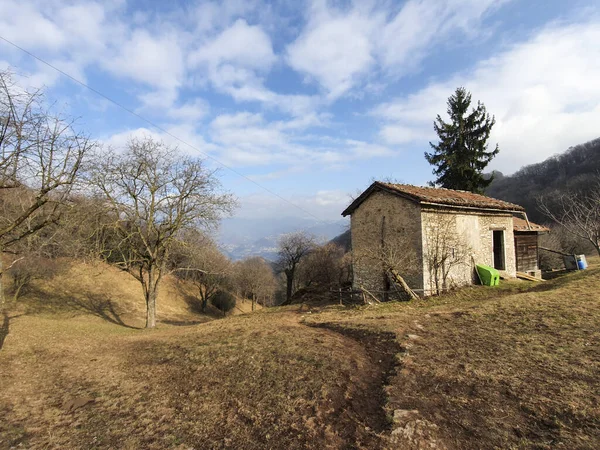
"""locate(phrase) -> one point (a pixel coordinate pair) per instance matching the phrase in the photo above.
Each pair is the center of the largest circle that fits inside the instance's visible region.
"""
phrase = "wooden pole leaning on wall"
(402, 283)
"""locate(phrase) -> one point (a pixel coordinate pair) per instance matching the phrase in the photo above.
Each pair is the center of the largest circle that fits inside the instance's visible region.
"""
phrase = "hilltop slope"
(576, 169)
(507, 367)
(98, 289)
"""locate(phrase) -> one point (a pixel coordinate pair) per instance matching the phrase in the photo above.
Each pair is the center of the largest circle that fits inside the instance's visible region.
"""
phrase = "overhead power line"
(166, 132)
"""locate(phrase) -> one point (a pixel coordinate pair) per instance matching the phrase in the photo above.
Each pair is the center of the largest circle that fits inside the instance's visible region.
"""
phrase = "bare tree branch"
(577, 213)
(41, 155)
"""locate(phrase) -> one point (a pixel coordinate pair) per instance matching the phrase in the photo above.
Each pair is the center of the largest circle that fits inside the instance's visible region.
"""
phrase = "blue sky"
(313, 99)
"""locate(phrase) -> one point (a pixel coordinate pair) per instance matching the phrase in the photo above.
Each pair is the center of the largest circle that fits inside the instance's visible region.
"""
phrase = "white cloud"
(237, 120)
(332, 197)
(335, 49)
(68, 35)
(191, 111)
(158, 99)
(341, 49)
(87, 26)
(407, 38)
(207, 16)
(402, 134)
(154, 60)
(247, 139)
(236, 61)
(324, 205)
(160, 54)
(121, 139)
(17, 21)
(241, 44)
(188, 141)
(164, 104)
(543, 93)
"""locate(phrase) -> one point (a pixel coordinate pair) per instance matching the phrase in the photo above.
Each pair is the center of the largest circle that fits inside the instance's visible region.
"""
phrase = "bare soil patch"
(368, 402)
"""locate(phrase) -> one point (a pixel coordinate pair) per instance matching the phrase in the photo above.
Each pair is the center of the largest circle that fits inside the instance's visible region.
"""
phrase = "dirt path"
(362, 414)
(365, 409)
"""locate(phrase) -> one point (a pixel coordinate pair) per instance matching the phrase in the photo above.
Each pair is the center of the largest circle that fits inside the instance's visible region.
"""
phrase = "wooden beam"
(555, 251)
(527, 277)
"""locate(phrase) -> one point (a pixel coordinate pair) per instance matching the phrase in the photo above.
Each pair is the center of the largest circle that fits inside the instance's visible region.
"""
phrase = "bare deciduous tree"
(85, 230)
(201, 262)
(292, 248)
(41, 155)
(324, 266)
(578, 214)
(29, 269)
(155, 194)
(396, 260)
(444, 249)
(256, 280)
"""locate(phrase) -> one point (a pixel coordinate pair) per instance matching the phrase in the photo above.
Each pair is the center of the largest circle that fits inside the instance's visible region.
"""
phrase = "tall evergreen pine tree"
(461, 155)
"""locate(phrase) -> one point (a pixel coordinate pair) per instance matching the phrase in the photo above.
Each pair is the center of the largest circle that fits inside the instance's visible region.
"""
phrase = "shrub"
(223, 301)
(29, 269)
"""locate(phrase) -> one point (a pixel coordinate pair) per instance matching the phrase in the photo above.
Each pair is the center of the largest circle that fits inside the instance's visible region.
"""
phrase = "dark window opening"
(499, 250)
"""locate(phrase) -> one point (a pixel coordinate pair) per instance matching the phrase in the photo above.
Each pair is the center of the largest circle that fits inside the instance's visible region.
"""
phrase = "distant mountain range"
(243, 237)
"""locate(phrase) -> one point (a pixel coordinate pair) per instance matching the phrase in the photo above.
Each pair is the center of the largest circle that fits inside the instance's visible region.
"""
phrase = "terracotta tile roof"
(521, 225)
(439, 196)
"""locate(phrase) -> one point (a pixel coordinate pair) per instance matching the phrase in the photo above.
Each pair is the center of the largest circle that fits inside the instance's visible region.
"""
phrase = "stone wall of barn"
(385, 224)
(453, 240)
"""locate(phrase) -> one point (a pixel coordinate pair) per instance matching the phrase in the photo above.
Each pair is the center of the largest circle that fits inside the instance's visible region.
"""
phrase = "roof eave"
(507, 210)
(538, 231)
(378, 185)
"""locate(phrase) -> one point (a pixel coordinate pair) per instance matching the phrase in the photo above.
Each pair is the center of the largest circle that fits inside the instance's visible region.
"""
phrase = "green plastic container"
(489, 276)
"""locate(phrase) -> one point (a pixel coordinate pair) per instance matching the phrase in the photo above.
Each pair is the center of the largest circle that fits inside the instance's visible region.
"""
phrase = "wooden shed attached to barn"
(527, 236)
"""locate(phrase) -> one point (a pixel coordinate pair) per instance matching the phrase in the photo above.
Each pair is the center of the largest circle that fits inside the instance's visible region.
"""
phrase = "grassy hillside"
(514, 367)
(106, 292)
(101, 290)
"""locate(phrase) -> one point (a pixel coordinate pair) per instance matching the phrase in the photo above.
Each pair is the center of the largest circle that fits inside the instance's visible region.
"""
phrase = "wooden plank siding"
(526, 248)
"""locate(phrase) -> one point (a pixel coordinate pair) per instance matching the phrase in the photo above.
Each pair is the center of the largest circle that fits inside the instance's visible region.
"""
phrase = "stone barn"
(432, 237)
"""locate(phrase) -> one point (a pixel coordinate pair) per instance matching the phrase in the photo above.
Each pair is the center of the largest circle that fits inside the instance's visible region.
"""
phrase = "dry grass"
(247, 381)
(106, 292)
(515, 367)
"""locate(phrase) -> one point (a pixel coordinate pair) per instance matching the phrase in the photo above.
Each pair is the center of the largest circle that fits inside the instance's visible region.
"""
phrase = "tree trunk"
(17, 292)
(151, 307)
(2, 298)
(203, 299)
(289, 274)
(253, 300)
(154, 277)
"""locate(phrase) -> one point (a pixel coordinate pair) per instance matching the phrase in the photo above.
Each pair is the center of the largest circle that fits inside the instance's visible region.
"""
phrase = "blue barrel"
(581, 262)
